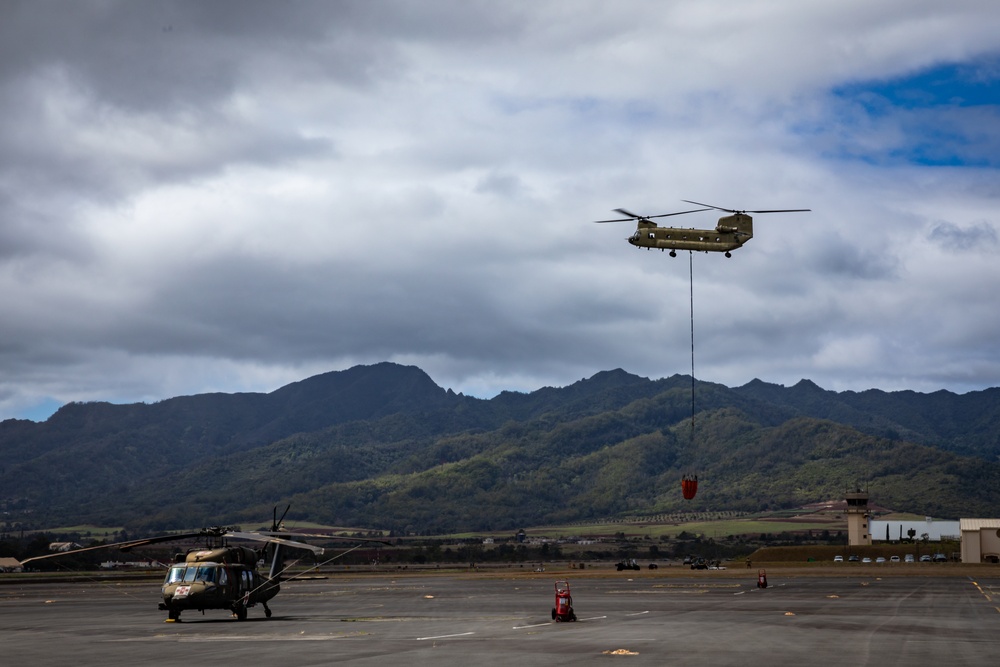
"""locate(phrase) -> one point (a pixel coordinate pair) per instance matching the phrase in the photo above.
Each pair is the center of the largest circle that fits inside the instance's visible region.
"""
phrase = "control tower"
(857, 518)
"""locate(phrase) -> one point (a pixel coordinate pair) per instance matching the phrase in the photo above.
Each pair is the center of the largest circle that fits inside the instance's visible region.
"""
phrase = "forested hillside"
(384, 447)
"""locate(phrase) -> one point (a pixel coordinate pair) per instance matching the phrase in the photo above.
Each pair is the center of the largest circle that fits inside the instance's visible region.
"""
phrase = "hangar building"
(980, 540)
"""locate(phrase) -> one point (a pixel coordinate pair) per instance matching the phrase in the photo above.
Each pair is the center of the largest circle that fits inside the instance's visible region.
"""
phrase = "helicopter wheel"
(173, 615)
(728, 254)
(267, 611)
(241, 612)
(673, 253)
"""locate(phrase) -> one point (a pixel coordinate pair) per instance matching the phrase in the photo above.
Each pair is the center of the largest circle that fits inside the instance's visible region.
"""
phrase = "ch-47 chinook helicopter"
(220, 575)
(731, 232)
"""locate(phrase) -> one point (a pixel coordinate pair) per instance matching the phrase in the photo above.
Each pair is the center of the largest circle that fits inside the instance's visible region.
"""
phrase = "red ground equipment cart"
(563, 611)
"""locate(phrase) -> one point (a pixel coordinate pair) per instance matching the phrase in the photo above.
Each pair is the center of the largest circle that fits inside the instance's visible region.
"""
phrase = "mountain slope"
(384, 446)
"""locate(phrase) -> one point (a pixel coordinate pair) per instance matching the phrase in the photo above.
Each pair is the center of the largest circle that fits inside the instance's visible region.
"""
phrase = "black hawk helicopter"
(220, 575)
(731, 232)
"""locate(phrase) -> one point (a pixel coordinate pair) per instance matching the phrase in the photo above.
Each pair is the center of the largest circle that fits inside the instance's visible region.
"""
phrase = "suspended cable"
(691, 282)
(689, 482)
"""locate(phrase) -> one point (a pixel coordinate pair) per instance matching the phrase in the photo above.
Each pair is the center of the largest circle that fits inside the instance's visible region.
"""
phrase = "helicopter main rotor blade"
(633, 216)
(729, 210)
(323, 536)
(718, 208)
(628, 213)
(257, 537)
(664, 215)
(121, 546)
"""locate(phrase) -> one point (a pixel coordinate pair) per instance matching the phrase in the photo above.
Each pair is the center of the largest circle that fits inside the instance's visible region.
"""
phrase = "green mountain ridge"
(385, 447)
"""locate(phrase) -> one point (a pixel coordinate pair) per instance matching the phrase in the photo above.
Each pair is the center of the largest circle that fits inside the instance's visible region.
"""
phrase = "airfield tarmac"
(498, 618)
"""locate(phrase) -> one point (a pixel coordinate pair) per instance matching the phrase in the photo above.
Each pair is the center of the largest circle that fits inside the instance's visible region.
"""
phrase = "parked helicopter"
(731, 232)
(220, 575)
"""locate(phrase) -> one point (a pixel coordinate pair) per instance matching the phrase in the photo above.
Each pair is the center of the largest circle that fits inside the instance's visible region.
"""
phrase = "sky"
(230, 196)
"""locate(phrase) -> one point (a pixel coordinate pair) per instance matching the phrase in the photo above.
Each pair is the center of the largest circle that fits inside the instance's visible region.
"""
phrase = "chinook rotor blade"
(729, 210)
(783, 210)
(664, 215)
(633, 216)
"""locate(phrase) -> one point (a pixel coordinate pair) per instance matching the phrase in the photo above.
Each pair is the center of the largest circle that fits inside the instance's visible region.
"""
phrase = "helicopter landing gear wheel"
(267, 611)
(728, 254)
(240, 611)
(173, 616)
(673, 253)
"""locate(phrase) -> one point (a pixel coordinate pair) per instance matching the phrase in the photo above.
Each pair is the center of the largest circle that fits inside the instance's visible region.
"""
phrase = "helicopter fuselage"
(731, 232)
(220, 578)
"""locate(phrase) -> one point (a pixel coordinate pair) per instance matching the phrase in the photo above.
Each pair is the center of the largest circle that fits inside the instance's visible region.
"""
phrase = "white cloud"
(231, 196)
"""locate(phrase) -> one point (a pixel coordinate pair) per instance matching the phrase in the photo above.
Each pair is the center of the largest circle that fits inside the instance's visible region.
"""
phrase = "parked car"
(866, 559)
(880, 559)
(926, 558)
(838, 559)
(909, 558)
(940, 558)
(894, 559)
(853, 558)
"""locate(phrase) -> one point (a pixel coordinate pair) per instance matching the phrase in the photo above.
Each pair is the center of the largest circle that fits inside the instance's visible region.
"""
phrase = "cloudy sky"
(231, 196)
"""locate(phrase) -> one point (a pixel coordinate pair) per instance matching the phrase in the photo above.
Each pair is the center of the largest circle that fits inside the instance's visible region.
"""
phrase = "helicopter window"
(223, 578)
(652, 235)
(175, 574)
(206, 573)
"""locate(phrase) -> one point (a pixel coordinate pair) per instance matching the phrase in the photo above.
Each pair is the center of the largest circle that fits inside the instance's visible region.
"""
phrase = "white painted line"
(461, 634)
(593, 618)
(638, 613)
(536, 625)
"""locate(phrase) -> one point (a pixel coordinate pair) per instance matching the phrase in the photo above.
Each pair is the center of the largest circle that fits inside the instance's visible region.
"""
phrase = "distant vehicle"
(853, 558)
(926, 558)
(894, 559)
(628, 564)
(940, 558)
(838, 559)
(866, 559)
(880, 559)
(909, 558)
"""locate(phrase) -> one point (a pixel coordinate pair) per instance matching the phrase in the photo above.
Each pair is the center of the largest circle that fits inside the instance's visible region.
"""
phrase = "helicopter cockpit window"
(179, 573)
(652, 235)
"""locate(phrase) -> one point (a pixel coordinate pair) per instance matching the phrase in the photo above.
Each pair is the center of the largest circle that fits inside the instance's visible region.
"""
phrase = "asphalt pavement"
(505, 619)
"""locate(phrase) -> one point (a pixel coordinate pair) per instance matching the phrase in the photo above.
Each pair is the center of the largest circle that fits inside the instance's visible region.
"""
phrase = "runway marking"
(536, 625)
(461, 634)
(638, 613)
(593, 618)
